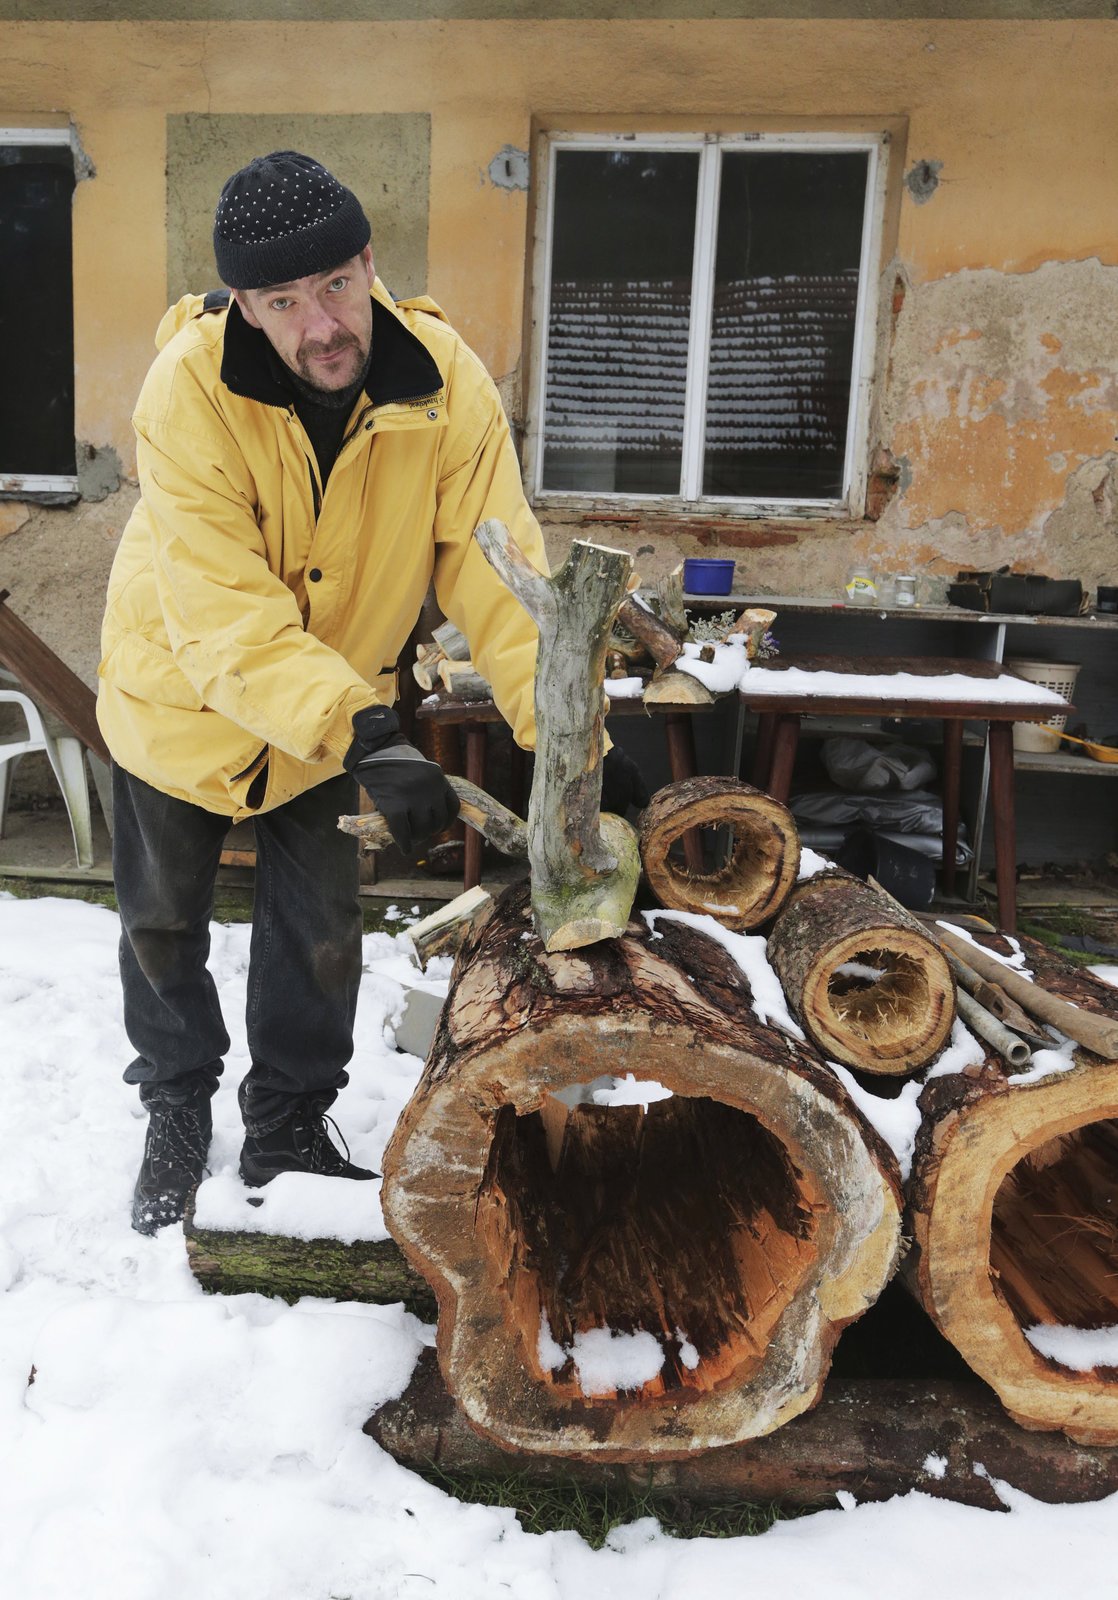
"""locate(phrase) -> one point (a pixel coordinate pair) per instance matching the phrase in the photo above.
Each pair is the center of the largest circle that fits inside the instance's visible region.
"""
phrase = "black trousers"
(305, 951)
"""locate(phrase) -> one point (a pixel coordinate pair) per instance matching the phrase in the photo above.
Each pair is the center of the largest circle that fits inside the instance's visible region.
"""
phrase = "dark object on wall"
(1025, 593)
(1108, 597)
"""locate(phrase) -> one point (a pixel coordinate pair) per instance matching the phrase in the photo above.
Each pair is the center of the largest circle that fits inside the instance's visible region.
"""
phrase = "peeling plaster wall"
(995, 413)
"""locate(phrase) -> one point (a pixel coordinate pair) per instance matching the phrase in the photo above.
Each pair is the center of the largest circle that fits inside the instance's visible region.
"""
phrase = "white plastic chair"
(66, 756)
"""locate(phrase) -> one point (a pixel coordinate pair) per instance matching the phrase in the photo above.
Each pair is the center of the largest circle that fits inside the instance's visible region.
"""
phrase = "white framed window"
(704, 320)
(37, 451)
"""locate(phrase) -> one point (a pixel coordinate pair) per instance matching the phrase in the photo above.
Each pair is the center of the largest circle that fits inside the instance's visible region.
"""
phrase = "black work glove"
(410, 792)
(623, 784)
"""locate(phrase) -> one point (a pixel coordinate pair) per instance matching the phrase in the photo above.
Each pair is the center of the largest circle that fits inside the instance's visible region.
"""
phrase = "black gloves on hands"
(410, 792)
(623, 784)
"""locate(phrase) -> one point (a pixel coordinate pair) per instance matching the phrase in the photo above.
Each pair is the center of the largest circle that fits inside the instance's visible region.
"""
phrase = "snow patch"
(1080, 1349)
(749, 953)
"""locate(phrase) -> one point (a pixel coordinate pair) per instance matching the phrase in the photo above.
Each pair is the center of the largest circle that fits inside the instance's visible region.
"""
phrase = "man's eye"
(278, 305)
(336, 285)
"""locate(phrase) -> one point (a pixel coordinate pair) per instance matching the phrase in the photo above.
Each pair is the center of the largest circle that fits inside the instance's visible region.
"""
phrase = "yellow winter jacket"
(250, 614)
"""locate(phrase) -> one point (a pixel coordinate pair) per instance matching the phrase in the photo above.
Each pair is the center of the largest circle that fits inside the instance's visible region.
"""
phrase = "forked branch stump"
(1014, 1206)
(585, 866)
(737, 1225)
(870, 990)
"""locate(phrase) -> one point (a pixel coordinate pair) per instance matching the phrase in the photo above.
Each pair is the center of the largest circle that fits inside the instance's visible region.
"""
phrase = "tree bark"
(741, 1221)
(273, 1264)
(584, 866)
(869, 989)
(1014, 1206)
(764, 859)
(874, 1439)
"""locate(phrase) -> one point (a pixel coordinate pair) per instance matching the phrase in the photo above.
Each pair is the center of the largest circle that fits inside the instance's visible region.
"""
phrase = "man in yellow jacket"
(310, 454)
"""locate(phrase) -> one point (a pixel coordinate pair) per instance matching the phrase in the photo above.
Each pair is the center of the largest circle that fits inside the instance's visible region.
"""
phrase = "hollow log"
(584, 865)
(1014, 1206)
(869, 989)
(733, 1225)
(872, 1438)
(763, 861)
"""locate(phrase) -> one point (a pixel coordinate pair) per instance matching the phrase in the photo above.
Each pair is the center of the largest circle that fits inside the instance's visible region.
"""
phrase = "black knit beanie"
(283, 217)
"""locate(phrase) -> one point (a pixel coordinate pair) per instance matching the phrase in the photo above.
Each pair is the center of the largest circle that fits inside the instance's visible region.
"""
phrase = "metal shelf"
(1059, 762)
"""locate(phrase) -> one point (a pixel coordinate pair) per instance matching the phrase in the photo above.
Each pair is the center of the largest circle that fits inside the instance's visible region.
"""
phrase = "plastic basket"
(1058, 676)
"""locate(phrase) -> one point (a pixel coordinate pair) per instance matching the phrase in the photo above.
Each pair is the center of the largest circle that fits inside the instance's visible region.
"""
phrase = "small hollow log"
(736, 1224)
(870, 989)
(585, 866)
(763, 861)
(1014, 1215)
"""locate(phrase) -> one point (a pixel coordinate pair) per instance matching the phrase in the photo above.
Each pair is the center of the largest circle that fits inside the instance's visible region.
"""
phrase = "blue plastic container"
(703, 575)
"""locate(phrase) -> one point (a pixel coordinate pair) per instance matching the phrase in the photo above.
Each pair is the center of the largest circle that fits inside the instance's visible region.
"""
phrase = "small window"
(36, 313)
(706, 307)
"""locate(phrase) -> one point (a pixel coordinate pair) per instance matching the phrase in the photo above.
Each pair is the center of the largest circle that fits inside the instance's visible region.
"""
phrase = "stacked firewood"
(644, 1170)
(630, 1281)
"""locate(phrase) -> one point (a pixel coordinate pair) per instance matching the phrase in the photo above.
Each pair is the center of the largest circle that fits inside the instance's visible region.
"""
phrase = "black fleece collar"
(402, 367)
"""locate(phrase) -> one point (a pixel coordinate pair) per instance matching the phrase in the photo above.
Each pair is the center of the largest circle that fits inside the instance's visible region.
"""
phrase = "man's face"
(320, 326)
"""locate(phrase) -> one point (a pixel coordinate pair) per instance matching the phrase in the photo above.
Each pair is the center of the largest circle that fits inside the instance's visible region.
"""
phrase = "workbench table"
(953, 690)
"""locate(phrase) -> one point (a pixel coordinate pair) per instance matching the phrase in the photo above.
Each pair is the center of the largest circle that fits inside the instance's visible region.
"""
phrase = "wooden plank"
(48, 678)
(873, 1439)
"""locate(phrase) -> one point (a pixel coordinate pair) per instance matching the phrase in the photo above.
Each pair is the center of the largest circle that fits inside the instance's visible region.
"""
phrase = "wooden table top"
(973, 699)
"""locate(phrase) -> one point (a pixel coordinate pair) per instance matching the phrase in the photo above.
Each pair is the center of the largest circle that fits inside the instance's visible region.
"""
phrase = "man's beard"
(304, 365)
(337, 395)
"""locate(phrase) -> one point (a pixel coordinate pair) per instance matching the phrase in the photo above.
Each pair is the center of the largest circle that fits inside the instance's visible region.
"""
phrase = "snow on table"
(757, 682)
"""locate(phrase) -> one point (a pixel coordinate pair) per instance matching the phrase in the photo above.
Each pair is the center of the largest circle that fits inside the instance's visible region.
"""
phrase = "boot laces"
(176, 1137)
(323, 1154)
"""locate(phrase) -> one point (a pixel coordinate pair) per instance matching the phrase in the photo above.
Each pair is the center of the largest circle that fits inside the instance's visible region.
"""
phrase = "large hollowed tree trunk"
(729, 1229)
(1014, 1204)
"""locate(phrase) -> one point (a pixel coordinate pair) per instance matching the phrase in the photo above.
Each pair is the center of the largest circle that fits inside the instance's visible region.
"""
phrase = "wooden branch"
(452, 641)
(1096, 1033)
(870, 988)
(763, 864)
(446, 930)
(753, 1209)
(584, 868)
(503, 829)
(662, 644)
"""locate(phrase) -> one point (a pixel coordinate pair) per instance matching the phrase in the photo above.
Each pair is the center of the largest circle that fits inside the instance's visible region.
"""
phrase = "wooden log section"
(869, 989)
(762, 865)
(737, 1224)
(873, 1438)
(1014, 1203)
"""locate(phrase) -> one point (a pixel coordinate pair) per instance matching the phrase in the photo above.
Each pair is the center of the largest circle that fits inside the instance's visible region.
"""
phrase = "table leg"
(1005, 823)
(786, 737)
(683, 764)
(763, 749)
(475, 773)
(952, 770)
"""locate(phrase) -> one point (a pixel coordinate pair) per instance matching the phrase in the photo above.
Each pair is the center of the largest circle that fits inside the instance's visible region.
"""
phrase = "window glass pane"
(782, 335)
(623, 243)
(36, 310)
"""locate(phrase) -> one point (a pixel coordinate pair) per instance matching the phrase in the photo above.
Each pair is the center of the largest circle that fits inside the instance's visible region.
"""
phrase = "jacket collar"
(402, 367)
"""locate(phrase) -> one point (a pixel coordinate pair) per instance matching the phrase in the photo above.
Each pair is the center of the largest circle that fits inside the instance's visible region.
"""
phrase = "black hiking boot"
(300, 1142)
(180, 1126)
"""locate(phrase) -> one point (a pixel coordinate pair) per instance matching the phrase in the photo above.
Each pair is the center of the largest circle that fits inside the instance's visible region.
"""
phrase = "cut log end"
(712, 1243)
(1015, 1198)
(870, 990)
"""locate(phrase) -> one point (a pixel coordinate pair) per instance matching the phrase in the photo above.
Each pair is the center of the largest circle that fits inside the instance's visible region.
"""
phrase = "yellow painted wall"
(1022, 116)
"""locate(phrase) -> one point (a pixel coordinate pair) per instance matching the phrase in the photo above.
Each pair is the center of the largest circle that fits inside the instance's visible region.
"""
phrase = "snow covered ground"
(174, 1446)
